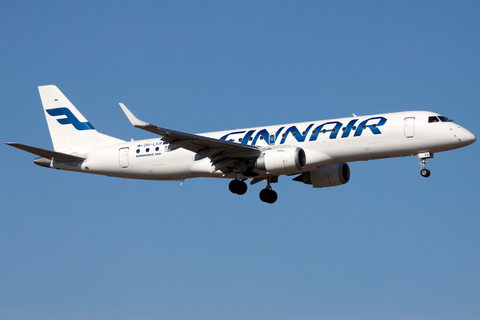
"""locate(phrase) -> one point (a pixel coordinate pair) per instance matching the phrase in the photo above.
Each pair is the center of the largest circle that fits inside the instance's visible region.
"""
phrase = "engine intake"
(282, 161)
(335, 175)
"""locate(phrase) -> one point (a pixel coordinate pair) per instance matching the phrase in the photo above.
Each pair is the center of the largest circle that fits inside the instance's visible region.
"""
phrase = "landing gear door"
(409, 127)
(123, 157)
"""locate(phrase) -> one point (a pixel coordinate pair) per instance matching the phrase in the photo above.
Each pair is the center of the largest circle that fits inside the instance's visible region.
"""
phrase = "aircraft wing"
(203, 146)
(46, 153)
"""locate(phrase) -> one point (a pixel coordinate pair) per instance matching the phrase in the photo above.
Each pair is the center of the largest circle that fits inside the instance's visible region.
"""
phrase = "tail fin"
(69, 129)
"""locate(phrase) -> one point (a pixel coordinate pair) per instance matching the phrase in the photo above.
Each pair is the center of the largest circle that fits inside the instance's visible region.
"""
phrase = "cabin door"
(123, 157)
(409, 127)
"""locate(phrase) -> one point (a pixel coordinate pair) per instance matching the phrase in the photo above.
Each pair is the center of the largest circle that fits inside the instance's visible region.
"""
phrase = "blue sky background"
(389, 244)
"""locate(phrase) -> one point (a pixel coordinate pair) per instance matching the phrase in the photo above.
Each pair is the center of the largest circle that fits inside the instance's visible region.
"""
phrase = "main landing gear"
(424, 156)
(267, 195)
(238, 186)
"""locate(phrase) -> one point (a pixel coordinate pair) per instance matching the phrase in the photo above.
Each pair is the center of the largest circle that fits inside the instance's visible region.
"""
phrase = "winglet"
(131, 117)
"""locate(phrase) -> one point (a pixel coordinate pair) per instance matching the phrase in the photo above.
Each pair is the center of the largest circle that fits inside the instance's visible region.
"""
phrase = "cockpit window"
(445, 119)
(439, 119)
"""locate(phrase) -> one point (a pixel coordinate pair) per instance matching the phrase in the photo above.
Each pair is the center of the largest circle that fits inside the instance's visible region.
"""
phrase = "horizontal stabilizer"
(46, 153)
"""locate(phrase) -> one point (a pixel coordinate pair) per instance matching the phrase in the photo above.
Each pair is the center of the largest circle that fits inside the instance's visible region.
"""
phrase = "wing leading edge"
(222, 153)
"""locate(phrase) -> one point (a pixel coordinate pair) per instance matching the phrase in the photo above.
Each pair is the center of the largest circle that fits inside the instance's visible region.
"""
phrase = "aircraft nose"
(468, 137)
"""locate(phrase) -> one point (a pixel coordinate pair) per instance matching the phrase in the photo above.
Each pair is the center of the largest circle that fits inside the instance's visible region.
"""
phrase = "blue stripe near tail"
(70, 118)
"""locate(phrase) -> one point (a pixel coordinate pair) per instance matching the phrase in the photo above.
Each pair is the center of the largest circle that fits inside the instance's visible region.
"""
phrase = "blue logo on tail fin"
(70, 118)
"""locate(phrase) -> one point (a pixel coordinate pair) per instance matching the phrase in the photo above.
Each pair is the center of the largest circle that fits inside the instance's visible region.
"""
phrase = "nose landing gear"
(424, 156)
(425, 173)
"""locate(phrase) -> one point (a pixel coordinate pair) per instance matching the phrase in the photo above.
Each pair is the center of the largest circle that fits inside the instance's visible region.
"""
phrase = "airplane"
(315, 152)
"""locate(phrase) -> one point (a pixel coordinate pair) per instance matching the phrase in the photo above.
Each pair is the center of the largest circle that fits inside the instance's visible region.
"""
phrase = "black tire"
(268, 196)
(234, 186)
(272, 196)
(237, 187)
(264, 195)
(242, 188)
(425, 173)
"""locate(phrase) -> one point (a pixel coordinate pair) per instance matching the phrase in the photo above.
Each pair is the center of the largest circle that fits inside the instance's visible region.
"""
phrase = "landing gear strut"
(268, 195)
(424, 156)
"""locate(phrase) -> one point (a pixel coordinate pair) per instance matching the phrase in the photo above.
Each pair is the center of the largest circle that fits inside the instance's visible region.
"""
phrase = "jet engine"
(326, 177)
(282, 161)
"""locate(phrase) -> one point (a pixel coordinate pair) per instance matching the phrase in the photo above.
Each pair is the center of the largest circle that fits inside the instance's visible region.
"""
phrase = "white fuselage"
(325, 143)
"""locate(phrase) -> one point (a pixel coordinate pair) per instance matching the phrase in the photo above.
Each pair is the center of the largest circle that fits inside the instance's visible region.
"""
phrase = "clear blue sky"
(387, 245)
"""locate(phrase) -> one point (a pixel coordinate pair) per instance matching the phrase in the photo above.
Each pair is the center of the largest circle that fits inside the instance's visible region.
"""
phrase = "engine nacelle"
(282, 161)
(335, 175)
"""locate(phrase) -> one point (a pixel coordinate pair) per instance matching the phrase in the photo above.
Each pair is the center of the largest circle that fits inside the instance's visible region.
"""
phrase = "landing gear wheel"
(268, 196)
(272, 196)
(264, 195)
(424, 156)
(243, 188)
(238, 187)
(425, 173)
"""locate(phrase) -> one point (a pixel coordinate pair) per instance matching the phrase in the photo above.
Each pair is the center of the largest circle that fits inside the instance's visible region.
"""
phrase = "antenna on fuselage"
(354, 115)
